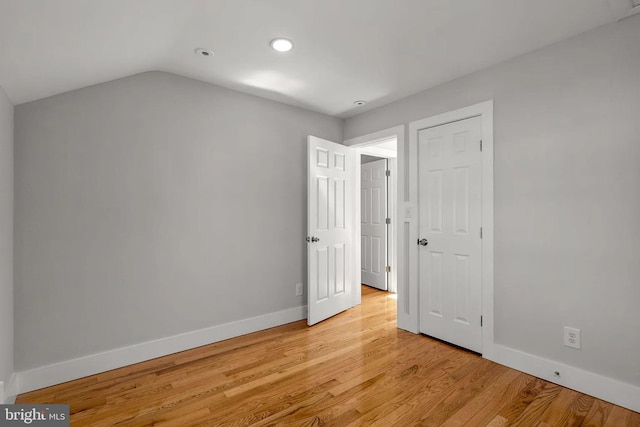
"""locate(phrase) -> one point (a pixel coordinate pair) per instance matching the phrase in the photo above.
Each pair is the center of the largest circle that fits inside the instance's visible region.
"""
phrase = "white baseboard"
(73, 369)
(605, 388)
(9, 391)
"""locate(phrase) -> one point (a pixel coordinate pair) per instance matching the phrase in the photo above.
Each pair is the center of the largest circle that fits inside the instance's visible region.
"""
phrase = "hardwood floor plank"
(498, 421)
(482, 399)
(538, 406)
(618, 417)
(598, 414)
(431, 394)
(578, 410)
(355, 369)
(464, 392)
(408, 382)
(560, 408)
(518, 405)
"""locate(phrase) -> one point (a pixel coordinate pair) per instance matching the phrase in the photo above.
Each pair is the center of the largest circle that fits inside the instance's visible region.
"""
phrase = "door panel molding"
(373, 227)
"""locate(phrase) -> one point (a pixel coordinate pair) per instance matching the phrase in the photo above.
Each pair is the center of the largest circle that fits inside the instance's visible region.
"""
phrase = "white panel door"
(331, 171)
(373, 227)
(450, 202)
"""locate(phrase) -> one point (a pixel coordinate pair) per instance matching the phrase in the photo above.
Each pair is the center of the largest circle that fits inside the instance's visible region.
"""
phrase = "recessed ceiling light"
(281, 45)
(360, 103)
(204, 52)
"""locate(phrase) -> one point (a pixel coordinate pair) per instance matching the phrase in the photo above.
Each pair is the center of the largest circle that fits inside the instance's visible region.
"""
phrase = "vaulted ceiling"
(344, 50)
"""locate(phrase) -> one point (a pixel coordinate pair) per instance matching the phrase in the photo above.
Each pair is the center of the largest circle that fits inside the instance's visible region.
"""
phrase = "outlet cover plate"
(572, 337)
(298, 289)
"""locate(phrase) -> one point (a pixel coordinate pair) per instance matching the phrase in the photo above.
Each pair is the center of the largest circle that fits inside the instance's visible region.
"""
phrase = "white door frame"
(485, 111)
(395, 184)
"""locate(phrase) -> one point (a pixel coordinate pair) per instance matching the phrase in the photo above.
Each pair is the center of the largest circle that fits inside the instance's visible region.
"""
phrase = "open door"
(373, 223)
(329, 228)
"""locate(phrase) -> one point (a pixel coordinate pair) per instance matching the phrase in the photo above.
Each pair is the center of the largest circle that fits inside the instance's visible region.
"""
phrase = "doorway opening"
(377, 203)
(388, 144)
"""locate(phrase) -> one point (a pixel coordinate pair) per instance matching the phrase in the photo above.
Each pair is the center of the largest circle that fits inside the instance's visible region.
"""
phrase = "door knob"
(423, 242)
(313, 239)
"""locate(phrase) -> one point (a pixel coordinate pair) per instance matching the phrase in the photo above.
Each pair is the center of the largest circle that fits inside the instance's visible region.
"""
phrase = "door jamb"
(485, 111)
(392, 240)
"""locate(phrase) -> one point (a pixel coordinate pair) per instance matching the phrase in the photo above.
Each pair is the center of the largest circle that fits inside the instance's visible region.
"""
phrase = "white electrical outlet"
(572, 337)
(298, 289)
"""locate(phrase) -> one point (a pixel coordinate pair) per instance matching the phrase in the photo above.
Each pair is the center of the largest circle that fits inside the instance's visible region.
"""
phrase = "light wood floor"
(356, 368)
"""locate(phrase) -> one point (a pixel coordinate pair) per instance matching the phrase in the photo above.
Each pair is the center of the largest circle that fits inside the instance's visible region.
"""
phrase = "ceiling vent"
(207, 53)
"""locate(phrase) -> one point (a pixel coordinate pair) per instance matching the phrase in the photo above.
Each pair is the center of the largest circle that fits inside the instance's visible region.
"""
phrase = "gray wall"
(6, 237)
(151, 206)
(364, 158)
(567, 193)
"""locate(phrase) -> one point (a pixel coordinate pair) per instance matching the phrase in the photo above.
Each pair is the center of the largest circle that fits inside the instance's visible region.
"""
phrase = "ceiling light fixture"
(360, 103)
(281, 45)
(204, 52)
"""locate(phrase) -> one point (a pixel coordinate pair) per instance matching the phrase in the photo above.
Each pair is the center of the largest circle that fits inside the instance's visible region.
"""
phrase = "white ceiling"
(345, 50)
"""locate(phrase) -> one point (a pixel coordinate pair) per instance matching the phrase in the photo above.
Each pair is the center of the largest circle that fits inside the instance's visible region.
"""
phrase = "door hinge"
(387, 173)
(387, 268)
(481, 321)
(480, 145)
(481, 232)
(388, 221)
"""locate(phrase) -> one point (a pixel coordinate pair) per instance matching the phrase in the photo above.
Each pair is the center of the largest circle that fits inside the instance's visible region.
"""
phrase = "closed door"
(373, 226)
(450, 201)
(330, 220)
